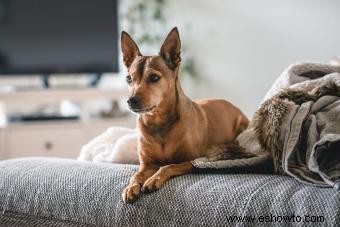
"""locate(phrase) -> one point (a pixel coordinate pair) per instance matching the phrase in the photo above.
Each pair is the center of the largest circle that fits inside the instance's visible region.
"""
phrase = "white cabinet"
(59, 143)
(56, 138)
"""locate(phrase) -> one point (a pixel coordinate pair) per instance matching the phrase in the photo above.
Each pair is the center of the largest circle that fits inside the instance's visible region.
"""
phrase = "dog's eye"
(128, 79)
(153, 78)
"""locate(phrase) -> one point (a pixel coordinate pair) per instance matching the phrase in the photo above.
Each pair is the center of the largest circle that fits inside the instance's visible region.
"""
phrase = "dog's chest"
(169, 149)
(171, 152)
(168, 144)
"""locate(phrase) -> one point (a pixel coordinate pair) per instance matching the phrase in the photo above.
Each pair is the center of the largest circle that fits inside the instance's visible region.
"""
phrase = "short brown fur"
(174, 130)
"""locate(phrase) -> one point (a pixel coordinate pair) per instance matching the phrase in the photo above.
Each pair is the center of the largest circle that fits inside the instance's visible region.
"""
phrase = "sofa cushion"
(38, 190)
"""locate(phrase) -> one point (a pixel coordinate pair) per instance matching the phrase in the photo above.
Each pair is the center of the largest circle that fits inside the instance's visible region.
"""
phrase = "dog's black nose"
(133, 101)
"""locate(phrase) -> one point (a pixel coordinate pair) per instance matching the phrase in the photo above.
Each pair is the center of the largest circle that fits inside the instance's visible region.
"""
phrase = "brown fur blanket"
(296, 128)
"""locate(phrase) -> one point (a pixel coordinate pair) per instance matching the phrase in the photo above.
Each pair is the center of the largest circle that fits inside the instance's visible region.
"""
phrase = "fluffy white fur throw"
(115, 145)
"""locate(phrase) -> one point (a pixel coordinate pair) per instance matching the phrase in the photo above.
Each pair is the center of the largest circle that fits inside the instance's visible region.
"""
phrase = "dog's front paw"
(152, 184)
(130, 193)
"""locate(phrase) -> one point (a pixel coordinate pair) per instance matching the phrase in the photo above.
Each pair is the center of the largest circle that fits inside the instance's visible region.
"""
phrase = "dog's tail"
(228, 151)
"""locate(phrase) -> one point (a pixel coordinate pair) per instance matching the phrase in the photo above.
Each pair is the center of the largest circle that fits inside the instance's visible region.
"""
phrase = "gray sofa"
(61, 192)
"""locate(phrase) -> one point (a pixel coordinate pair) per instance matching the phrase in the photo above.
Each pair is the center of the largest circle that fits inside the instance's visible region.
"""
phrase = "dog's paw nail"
(147, 190)
(144, 189)
(151, 185)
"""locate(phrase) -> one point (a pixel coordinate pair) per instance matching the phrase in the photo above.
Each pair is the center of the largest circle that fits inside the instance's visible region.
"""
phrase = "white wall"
(241, 46)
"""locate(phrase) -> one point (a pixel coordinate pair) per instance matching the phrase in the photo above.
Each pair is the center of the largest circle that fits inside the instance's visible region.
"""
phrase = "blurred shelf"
(128, 121)
(49, 95)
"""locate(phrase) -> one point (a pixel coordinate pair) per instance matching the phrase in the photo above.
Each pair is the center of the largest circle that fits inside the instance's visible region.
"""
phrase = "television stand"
(55, 137)
(93, 81)
(40, 117)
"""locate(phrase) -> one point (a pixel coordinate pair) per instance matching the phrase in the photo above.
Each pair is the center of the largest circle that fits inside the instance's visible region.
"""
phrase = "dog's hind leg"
(228, 152)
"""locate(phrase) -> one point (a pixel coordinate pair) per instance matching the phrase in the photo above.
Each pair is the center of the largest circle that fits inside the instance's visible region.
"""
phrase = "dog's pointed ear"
(171, 49)
(130, 49)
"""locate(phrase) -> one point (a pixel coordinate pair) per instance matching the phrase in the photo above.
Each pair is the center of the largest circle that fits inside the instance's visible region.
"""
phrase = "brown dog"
(173, 129)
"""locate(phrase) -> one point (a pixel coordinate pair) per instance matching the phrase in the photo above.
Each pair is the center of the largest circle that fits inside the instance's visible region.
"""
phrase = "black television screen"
(58, 36)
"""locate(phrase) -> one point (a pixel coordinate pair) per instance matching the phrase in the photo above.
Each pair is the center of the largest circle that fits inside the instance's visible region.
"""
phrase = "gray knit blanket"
(296, 127)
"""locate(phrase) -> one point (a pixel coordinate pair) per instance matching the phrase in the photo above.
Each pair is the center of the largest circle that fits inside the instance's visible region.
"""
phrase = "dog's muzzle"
(135, 105)
(134, 102)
